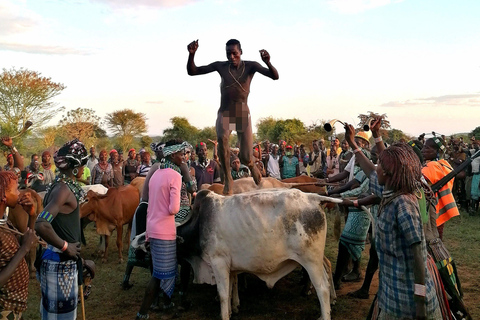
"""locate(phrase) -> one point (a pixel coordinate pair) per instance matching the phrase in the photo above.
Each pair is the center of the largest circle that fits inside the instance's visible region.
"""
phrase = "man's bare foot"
(257, 177)
(228, 187)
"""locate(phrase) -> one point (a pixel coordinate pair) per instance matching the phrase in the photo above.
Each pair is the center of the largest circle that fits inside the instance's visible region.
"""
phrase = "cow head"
(190, 231)
(87, 209)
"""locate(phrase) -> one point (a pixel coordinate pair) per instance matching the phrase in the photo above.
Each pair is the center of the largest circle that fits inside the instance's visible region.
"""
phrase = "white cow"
(268, 233)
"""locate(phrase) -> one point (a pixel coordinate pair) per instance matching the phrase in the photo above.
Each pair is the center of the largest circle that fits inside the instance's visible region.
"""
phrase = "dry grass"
(109, 301)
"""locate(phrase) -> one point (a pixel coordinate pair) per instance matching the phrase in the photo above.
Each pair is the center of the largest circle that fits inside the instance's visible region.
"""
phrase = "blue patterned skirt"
(355, 232)
(59, 287)
(164, 258)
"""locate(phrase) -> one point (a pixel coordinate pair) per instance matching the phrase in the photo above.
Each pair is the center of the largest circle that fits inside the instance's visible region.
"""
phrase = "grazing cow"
(21, 220)
(112, 211)
(268, 233)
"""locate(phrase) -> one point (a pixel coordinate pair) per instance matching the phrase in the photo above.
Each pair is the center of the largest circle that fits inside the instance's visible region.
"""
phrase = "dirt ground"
(257, 302)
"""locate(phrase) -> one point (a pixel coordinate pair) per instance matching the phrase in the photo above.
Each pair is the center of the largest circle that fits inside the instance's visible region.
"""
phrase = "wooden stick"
(15, 231)
(82, 301)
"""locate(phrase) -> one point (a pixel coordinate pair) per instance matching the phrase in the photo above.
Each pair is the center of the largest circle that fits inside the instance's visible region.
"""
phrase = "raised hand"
(350, 134)
(7, 141)
(265, 56)
(192, 46)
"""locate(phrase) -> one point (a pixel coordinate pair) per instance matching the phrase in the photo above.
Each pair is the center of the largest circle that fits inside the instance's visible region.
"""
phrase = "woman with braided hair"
(14, 275)
(59, 225)
(406, 290)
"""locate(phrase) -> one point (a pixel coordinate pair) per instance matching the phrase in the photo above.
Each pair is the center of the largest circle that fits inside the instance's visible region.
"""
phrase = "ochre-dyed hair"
(6, 178)
(401, 163)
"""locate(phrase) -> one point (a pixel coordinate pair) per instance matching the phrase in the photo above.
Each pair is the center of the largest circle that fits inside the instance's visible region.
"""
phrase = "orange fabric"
(446, 207)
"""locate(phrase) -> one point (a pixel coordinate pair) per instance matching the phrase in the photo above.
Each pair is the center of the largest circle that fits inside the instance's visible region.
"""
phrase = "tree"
(26, 95)
(126, 124)
(145, 141)
(81, 123)
(48, 136)
(182, 129)
(475, 133)
(364, 119)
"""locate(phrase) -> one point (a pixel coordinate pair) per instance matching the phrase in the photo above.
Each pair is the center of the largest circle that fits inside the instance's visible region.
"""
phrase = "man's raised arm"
(192, 69)
(271, 72)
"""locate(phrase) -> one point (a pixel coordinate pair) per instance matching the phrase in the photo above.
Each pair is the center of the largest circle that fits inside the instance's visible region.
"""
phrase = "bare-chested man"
(234, 114)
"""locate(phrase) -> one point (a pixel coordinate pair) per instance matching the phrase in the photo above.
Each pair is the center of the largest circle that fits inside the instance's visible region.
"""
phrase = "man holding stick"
(234, 113)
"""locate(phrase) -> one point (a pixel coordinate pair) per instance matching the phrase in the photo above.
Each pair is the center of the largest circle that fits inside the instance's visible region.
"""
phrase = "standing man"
(234, 113)
(59, 225)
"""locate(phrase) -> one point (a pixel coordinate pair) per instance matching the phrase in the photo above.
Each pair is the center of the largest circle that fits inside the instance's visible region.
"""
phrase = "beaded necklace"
(171, 165)
(73, 185)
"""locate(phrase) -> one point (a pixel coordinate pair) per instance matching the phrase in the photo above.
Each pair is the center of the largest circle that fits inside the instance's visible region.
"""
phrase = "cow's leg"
(222, 277)
(105, 253)
(234, 292)
(120, 243)
(127, 236)
(317, 274)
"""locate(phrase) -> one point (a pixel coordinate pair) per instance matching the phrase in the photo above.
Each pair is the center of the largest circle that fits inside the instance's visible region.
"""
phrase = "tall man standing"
(234, 113)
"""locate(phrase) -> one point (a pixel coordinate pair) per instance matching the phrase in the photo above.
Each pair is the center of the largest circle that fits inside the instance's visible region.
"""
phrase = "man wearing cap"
(289, 166)
(9, 165)
(206, 171)
(234, 113)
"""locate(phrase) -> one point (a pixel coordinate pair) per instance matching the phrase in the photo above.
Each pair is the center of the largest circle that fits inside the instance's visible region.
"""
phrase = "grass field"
(109, 301)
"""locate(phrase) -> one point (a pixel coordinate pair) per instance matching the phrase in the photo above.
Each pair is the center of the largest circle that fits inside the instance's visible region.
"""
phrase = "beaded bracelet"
(378, 139)
(46, 215)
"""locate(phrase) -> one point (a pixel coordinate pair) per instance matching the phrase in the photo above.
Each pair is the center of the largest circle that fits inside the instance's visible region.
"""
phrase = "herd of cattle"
(267, 230)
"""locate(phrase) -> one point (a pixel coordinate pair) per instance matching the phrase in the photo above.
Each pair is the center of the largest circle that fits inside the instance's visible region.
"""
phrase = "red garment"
(446, 207)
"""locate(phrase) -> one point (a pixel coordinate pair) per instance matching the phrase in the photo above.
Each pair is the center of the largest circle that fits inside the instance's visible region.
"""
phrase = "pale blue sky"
(415, 60)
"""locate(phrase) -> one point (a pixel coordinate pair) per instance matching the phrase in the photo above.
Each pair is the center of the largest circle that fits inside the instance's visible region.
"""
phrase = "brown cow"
(21, 220)
(112, 211)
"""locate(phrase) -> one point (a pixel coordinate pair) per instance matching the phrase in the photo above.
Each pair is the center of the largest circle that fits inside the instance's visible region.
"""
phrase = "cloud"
(357, 6)
(465, 100)
(41, 49)
(15, 19)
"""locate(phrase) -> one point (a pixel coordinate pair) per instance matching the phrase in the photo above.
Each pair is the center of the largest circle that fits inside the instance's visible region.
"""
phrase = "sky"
(417, 61)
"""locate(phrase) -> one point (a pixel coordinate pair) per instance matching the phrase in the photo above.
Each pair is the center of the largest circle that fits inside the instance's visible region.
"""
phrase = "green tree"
(81, 123)
(475, 133)
(126, 124)
(26, 95)
(145, 141)
(182, 129)
(265, 128)
(205, 134)
(48, 136)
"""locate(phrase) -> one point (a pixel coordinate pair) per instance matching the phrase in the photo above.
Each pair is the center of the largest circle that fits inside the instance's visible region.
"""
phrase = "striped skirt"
(164, 258)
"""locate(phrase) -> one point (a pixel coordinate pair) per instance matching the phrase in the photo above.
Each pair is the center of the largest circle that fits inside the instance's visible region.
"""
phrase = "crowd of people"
(403, 188)
(399, 183)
